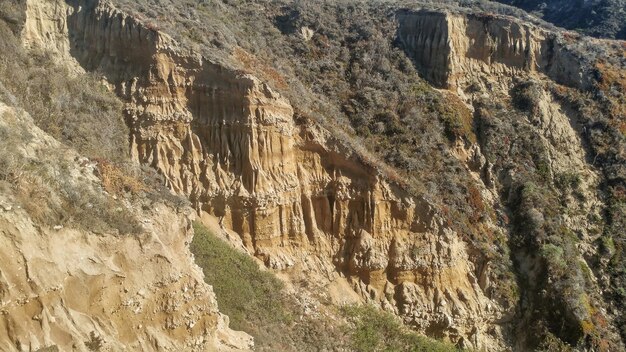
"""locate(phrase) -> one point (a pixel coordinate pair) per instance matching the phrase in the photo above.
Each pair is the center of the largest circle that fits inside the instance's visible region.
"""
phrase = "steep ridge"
(229, 143)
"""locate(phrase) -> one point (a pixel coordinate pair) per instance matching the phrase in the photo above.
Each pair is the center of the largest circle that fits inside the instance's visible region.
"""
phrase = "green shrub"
(373, 330)
(244, 292)
(539, 240)
(608, 245)
(568, 180)
(554, 256)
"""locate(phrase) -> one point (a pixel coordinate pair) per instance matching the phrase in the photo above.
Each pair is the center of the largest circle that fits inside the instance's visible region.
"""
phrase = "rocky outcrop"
(45, 29)
(294, 194)
(457, 50)
(489, 55)
(75, 290)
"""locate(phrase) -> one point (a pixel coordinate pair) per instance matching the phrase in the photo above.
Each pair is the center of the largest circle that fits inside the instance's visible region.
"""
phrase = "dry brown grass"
(252, 64)
(612, 76)
(35, 198)
(116, 181)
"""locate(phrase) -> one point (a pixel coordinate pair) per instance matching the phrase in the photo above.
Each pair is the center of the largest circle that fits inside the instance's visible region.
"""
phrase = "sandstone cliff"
(308, 204)
(458, 49)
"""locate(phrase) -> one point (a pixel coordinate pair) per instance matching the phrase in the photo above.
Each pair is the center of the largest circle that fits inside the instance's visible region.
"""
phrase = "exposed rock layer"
(293, 194)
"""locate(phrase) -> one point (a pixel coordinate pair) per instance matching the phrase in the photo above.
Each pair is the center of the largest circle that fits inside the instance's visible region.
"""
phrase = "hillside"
(598, 18)
(459, 167)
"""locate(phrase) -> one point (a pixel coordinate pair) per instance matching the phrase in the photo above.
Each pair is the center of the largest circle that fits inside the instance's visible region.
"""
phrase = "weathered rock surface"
(296, 196)
(76, 290)
(455, 50)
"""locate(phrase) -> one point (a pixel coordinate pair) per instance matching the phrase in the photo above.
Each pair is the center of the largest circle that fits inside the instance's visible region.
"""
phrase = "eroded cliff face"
(78, 291)
(457, 50)
(485, 55)
(294, 195)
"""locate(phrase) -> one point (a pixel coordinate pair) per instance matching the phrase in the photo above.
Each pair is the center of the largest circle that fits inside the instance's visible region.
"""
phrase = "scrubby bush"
(526, 96)
(373, 330)
(77, 110)
(600, 116)
(559, 286)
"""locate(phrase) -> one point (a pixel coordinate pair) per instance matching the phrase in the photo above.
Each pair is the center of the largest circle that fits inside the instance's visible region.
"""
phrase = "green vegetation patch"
(244, 292)
(374, 330)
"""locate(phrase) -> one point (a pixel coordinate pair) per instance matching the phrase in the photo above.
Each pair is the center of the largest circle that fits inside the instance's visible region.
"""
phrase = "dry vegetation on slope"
(84, 118)
(599, 18)
(79, 111)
